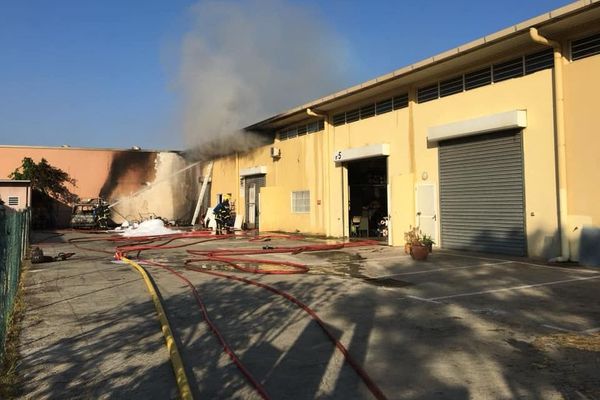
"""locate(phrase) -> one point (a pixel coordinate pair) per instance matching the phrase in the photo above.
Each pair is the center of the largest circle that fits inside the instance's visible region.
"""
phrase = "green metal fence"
(14, 241)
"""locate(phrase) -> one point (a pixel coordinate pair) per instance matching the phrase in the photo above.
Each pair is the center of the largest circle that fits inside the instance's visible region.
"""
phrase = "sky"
(107, 73)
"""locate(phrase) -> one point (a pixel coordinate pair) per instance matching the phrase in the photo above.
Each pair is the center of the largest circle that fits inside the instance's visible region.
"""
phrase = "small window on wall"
(301, 201)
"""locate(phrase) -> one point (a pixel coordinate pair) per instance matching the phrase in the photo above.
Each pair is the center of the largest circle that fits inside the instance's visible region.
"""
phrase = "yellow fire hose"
(178, 369)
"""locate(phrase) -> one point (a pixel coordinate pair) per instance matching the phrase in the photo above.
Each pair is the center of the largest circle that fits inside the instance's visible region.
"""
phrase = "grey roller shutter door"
(482, 195)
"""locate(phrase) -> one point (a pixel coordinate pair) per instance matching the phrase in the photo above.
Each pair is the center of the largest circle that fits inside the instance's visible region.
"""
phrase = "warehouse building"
(492, 146)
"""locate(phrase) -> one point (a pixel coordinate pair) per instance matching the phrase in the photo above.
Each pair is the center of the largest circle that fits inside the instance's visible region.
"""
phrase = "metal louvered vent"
(292, 133)
(352, 115)
(302, 130)
(312, 127)
(478, 78)
(370, 110)
(539, 61)
(585, 47)
(451, 86)
(383, 106)
(508, 69)
(339, 119)
(427, 93)
(401, 101)
(13, 201)
(286, 134)
(367, 111)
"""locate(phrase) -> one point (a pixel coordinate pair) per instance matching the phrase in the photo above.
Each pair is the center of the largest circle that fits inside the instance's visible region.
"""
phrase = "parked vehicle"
(90, 214)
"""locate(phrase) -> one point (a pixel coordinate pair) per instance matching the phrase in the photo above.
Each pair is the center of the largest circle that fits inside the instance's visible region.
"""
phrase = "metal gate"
(481, 193)
(252, 193)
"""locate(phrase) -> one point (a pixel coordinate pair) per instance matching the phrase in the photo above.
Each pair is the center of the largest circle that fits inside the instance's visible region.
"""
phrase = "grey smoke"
(225, 144)
(243, 61)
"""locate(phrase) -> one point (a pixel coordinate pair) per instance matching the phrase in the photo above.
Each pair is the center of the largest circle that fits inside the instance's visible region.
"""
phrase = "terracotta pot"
(419, 252)
(407, 248)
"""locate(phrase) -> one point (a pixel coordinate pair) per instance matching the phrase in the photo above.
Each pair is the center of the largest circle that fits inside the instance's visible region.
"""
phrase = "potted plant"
(410, 237)
(428, 242)
(414, 241)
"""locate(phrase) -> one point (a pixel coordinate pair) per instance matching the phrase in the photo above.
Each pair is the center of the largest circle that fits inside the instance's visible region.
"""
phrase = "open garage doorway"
(368, 198)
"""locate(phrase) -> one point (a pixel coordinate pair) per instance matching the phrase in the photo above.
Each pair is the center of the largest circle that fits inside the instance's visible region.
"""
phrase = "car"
(90, 214)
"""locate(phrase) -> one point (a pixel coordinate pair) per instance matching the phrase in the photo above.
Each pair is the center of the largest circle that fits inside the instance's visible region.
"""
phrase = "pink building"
(15, 194)
(106, 173)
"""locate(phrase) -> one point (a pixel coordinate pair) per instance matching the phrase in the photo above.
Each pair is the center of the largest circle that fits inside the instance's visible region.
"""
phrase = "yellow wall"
(225, 179)
(582, 123)
(390, 128)
(532, 93)
(299, 168)
(582, 127)
(306, 162)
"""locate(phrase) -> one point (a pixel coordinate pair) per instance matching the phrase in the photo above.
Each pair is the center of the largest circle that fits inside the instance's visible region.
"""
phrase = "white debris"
(152, 227)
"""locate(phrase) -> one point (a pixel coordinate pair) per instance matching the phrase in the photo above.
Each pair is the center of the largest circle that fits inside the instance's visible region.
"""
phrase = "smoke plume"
(243, 61)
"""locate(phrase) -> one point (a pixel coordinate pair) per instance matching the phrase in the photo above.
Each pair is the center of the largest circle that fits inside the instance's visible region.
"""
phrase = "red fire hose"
(237, 258)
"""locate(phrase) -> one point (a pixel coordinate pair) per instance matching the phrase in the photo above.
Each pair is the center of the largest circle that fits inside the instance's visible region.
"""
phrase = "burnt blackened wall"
(129, 172)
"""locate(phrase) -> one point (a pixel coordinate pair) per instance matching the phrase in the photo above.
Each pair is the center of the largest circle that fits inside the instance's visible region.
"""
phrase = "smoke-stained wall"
(168, 193)
(127, 171)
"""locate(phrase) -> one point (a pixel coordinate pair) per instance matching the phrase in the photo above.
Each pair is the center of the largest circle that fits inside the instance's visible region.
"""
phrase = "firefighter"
(223, 215)
(102, 214)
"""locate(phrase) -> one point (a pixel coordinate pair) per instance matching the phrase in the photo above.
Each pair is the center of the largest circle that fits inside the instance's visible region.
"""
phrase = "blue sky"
(103, 73)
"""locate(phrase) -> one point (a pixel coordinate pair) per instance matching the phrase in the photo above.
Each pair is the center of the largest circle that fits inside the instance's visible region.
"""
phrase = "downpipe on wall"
(559, 118)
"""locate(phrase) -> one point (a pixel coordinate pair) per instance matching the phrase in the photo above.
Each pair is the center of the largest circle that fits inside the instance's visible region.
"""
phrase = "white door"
(252, 203)
(426, 218)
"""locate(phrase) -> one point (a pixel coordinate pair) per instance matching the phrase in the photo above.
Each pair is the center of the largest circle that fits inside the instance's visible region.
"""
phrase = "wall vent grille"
(539, 61)
(401, 101)
(478, 78)
(352, 115)
(383, 107)
(301, 130)
(451, 86)
(585, 47)
(367, 111)
(428, 93)
(507, 69)
(370, 110)
(339, 119)
(499, 72)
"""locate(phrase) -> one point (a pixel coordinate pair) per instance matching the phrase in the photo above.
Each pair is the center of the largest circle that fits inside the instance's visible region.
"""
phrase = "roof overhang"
(258, 170)
(14, 182)
(489, 123)
(578, 14)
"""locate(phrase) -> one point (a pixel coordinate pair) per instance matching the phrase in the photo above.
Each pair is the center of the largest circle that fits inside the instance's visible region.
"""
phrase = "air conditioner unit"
(275, 152)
